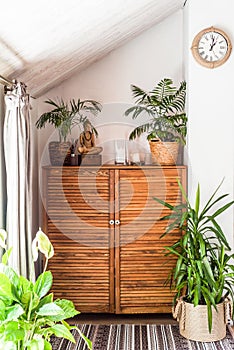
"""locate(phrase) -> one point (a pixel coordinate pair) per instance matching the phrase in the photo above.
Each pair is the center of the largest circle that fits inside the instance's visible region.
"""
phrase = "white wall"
(210, 106)
(155, 54)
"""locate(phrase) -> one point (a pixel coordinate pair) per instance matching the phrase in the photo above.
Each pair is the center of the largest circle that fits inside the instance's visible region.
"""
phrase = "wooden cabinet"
(104, 225)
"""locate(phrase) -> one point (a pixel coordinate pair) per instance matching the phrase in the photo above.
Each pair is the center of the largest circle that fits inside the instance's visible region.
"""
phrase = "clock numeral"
(220, 42)
(202, 53)
(222, 47)
(211, 58)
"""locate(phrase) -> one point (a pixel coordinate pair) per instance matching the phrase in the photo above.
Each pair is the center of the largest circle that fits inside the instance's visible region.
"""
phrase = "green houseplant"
(65, 116)
(29, 315)
(167, 125)
(204, 274)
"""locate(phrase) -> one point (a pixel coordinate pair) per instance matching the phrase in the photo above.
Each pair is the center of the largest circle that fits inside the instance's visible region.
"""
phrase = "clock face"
(211, 47)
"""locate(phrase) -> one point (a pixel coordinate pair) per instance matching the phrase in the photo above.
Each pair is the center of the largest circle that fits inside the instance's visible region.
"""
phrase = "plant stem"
(32, 271)
(45, 267)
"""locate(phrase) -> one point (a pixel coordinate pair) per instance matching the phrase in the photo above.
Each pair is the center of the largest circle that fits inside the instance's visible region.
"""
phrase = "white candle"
(135, 158)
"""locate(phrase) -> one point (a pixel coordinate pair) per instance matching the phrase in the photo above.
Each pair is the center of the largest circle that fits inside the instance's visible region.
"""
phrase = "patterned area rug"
(138, 337)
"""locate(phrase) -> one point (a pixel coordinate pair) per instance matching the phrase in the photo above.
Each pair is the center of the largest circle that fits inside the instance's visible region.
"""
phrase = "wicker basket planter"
(193, 321)
(164, 153)
(60, 153)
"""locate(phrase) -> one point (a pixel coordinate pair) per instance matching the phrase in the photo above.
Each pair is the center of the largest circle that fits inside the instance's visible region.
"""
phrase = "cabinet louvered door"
(141, 265)
(77, 222)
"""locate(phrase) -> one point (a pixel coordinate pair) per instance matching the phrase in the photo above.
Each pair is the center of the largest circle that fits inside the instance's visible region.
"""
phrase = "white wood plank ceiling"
(44, 42)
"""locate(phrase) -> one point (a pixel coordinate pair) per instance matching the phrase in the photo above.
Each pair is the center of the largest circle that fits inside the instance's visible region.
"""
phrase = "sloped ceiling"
(44, 42)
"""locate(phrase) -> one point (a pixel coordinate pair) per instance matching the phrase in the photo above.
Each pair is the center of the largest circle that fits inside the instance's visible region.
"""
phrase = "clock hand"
(213, 43)
(215, 54)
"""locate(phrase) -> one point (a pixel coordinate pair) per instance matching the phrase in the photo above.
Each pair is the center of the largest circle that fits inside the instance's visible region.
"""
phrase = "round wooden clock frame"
(200, 59)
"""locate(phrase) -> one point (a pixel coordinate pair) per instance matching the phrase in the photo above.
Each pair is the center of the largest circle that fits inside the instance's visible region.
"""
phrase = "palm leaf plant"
(164, 104)
(204, 273)
(29, 315)
(64, 116)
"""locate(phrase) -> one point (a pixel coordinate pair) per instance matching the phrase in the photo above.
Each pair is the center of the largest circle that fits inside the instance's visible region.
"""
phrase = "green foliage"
(204, 272)
(29, 316)
(165, 106)
(64, 116)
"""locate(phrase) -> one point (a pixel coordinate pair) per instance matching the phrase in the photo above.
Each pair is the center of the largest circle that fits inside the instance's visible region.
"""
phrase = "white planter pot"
(193, 321)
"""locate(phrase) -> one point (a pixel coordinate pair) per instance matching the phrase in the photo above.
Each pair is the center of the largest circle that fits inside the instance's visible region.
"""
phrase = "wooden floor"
(124, 319)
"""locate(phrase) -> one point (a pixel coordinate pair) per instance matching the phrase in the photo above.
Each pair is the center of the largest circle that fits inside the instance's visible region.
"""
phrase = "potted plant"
(203, 277)
(64, 116)
(29, 316)
(167, 126)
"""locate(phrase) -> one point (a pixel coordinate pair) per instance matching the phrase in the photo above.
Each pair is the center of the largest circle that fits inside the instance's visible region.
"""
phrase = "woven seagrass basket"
(164, 153)
(193, 320)
(60, 153)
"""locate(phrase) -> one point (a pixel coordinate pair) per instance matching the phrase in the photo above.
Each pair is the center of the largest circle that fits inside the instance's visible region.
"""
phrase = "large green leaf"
(87, 341)
(2, 310)
(26, 299)
(6, 256)
(50, 309)
(5, 286)
(13, 332)
(25, 285)
(46, 300)
(14, 278)
(47, 345)
(14, 312)
(59, 330)
(43, 284)
(68, 308)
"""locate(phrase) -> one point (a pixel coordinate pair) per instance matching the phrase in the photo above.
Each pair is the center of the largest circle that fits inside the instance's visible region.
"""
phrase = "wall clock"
(211, 47)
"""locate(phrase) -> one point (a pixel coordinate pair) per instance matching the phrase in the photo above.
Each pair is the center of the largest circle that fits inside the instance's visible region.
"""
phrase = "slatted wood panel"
(78, 206)
(110, 268)
(141, 266)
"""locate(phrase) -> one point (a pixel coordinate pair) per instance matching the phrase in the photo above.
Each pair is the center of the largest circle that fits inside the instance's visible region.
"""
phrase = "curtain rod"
(5, 81)
(9, 83)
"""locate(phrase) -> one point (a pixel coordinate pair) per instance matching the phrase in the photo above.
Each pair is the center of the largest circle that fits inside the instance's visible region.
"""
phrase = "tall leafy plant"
(164, 104)
(204, 272)
(64, 116)
(29, 315)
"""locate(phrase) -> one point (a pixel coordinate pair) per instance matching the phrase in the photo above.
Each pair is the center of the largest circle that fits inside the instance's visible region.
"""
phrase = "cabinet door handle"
(111, 222)
(117, 222)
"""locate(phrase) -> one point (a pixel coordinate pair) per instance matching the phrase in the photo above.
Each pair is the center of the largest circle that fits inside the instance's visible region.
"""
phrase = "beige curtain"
(17, 151)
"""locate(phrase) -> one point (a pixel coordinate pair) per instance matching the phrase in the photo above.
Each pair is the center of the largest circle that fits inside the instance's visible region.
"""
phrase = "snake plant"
(204, 271)
(165, 107)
